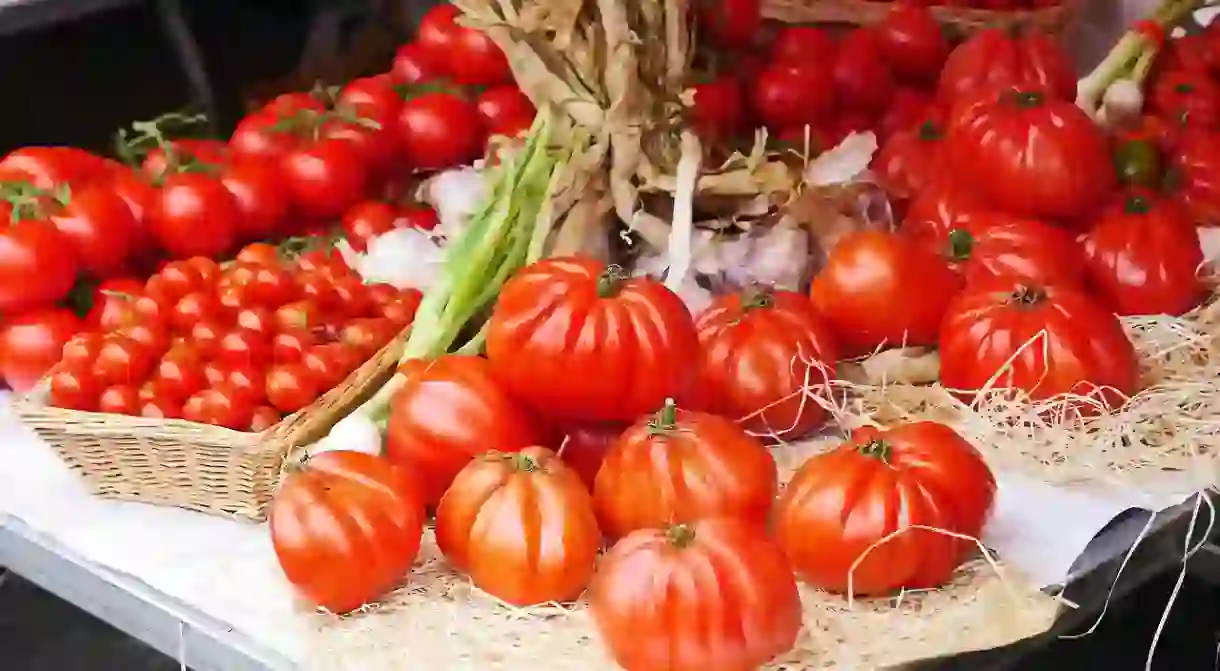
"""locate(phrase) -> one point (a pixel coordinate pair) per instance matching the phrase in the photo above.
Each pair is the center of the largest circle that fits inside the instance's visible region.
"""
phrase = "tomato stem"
(757, 298)
(665, 420)
(961, 244)
(1028, 296)
(877, 449)
(1027, 99)
(681, 535)
(1137, 205)
(1184, 88)
(929, 131)
(524, 463)
(611, 280)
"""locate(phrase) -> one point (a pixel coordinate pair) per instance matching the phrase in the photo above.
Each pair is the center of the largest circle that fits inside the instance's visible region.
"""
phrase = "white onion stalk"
(355, 433)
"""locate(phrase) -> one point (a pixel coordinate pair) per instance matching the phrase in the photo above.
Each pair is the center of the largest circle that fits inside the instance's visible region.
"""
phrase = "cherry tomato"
(913, 43)
(195, 215)
(801, 45)
(367, 336)
(718, 113)
(319, 289)
(264, 418)
(120, 399)
(259, 135)
(151, 335)
(32, 342)
(505, 110)
(242, 346)
(192, 308)
(113, 303)
(419, 216)
(401, 310)
(352, 297)
(469, 54)
(121, 360)
(259, 253)
(290, 387)
(272, 286)
(439, 130)
(303, 314)
(366, 220)
(81, 350)
(101, 228)
(74, 389)
(180, 373)
(863, 82)
(206, 335)
(208, 269)
(223, 405)
(249, 378)
(290, 345)
(330, 363)
(414, 65)
(160, 408)
(259, 320)
(325, 262)
(790, 97)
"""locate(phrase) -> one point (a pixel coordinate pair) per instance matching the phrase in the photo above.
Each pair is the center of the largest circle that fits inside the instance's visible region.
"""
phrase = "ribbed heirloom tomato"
(910, 161)
(581, 341)
(584, 447)
(1044, 340)
(681, 466)
(1194, 176)
(994, 60)
(521, 525)
(763, 357)
(715, 595)
(841, 503)
(1144, 256)
(346, 528)
(449, 411)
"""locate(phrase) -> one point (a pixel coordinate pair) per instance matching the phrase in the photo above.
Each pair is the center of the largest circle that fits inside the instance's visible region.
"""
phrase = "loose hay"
(439, 620)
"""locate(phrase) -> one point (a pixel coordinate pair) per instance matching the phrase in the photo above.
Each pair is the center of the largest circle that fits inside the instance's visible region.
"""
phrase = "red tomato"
(800, 46)
(224, 406)
(790, 96)
(1143, 257)
(711, 596)
(439, 130)
(401, 309)
(764, 356)
(1187, 98)
(292, 104)
(1045, 341)
(730, 24)
(206, 335)
(937, 478)
(864, 289)
(583, 342)
(718, 113)
(264, 418)
(863, 82)
(1031, 155)
(585, 446)
(271, 286)
(324, 178)
(366, 220)
(50, 168)
(37, 263)
(178, 278)
(100, 227)
(448, 411)
(1194, 176)
(327, 516)
(80, 351)
(319, 289)
(373, 97)
(290, 387)
(260, 254)
(160, 408)
(122, 360)
(913, 43)
(368, 336)
(242, 347)
(121, 399)
(112, 304)
(177, 153)
(259, 135)
(911, 160)
(331, 362)
(469, 54)
(151, 335)
(414, 65)
(353, 297)
(910, 108)
(419, 216)
(993, 60)
(260, 194)
(302, 314)
(74, 389)
(180, 374)
(505, 110)
(194, 215)
(136, 191)
(290, 346)
(32, 342)
(208, 269)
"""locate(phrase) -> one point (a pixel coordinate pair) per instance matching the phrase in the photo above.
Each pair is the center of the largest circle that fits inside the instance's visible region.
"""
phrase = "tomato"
(346, 527)
(840, 504)
(194, 215)
(864, 289)
(401, 310)
(260, 254)
(324, 178)
(711, 467)
(175, 280)
(260, 194)
(290, 387)
(180, 374)
(1031, 155)
(787, 96)
(863, 81)
(419, 216)
(290, 346)
(1194, 176)
(1187, 97)
(242, 347)
(223, 405)
(122, 360)
(909, 109)
(367, 336)
(470, 55)
(718, 113)
(176, 153)
(160, 408)
(439, 130)
(581, 341)
(802, 45)
(32, 342)
(911, 160)
(100, 228)
(121, 399)
(984, 245)
(449, 411)
(913, 43)
(302, 314)
(80, 351)
(994, 60)
(208, 269)
(515, 559)
(259, 135)
(112, 303)
(729, 24)
(1078, 346)
(319, 289)
(192, 308)
(1137, 162)
(257, 320)
(505, 110)
(413, 64)
(74, 389)
(584, 447)
(272, 286)
(264, 418)
(137, 192)
(37, 264)
(353, 297)
(206, 335)
(325, 262)
(374, 96)
(151, 335)
(50, 168)
(330, 363)
(716, 595)
(366, 220)
(1188, 53)
(1143, 257)
(295, 102)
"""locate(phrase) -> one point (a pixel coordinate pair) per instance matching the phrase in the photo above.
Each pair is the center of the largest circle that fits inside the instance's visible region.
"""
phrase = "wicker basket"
(963, 21)
(196, 466)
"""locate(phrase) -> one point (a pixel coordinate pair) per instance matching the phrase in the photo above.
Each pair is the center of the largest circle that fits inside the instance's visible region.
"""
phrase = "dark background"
(77, 82)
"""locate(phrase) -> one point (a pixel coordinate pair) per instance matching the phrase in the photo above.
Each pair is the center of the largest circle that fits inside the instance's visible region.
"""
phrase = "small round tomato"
(232, 298)
(160, 408)
(419, 216)
(242, 347)
(290, 346)
(303, 314)
(469, 54)
(1187, 98)
(180, 374)
(223, 406)
(352, 297)
(120, 399)
(80, 351)
(439, 130)
(121, 360)
(192, 308)
(209, 270)
(32, 342)
(730, 24)
(330, 363)
(801, 45)
(264, 418)
(324, 178)
(195, 215)
(863, 82)
(260, 194)
(786, 96)
(74, 389)
(151, 335)
(414, 65)
(271, 286)
(319, 289)
(366, 220)
(181, 278)
(206, 335)
(260, 254)
(250, 379)
(327, 262)
(257, 320)
(505, 110)
(290, 387)
(718, 113)
(913, 43)
(368, 336)
(401, 310)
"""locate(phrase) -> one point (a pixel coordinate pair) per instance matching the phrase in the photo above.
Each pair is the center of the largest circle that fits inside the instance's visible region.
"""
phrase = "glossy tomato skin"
(413, 64)
(863, 292)
(1194, 176)
(910, 161)
(716, 595)
(52, 167)
(1143, 257)
(1030, 155)
(993, 60)
(802, 45)
(32, 342)
(1186, 97)
(366, 220)
(785, 96)
(730, 24)
(439, 130)
(37, 263)
(471, 56)
(718, 113)
(863, 81)
(1081, 347)
(261, 197)
(579, 341)
(209, 152)
(324, 178)
(346, 527)
(449, 411)
(841, 502)
(584, 447)
(763, 359)
(101, 227)
(983, 245)
(505, 110)
(913, 43)
(195, 215)
(495, 523)
(257, 135)
(674, 468)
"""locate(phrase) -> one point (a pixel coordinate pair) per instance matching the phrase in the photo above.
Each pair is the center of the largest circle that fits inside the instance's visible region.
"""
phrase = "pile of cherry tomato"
(237, 345)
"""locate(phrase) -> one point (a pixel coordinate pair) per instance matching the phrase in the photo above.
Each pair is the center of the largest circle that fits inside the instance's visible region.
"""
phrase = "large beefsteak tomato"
(521, 525)
(346, 528)
(994, 60)
(1194, 175)
(581, 341)
(1030, 154)
(867, 292)
(910, 160)
(716, 595)
(763, 356)
(584, 447)
(681, 466)
(448, 411)
(1044, 340)
(841, 519)
(1144, 255)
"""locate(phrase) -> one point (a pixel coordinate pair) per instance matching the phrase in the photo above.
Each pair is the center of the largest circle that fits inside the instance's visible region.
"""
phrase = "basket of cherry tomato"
(191, 389)
(962, 17)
